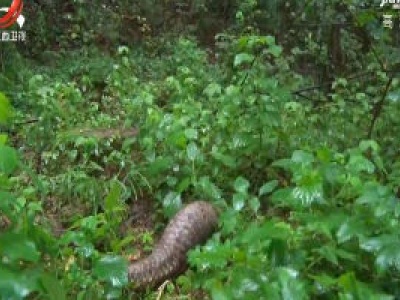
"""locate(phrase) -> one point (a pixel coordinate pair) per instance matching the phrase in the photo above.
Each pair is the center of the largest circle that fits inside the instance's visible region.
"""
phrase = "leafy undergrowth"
(308, 206)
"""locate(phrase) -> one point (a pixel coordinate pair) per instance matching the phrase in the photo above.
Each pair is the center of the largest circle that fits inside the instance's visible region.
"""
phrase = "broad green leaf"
(16, 286)
(353, 227)
(254, 204)
(275, 50)
(5, 109)
(184, 184)
(208, 188)
(270, 230)
(218, 292)
(52, 286)
(8, 160)
(3, 139)
(213, 255)
(284, 197)
(241, 185)
(113, 269)
(213, 89)
(192, 151)
(270, 40)
(268, 187)
(389, 256)
(309, 194)
(354, 289)
(302, 157)
(230, 220)
(17, 247)
(291, 287)
(387, 249)
(358, 163)
(366, 145)
(283, 163)
(226, 160)
(324, 281)
(394, 96)
(238, 201)
(242, 58)
(86, 250)
(191, 133)
(171, 204)
(159, 165)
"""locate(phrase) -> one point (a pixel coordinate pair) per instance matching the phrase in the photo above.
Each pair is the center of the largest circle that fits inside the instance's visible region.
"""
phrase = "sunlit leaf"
(192, 151)
(5, 109)
(171, 203)
(238, 201)
(291, 288)
(242, 58)
(241, 185)
(113, 269)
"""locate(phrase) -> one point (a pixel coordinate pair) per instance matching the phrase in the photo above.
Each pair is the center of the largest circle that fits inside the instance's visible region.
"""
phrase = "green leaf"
(213, 89)
(52, 287)
(268, 187)
(113, 269)
(230, 220)
(208, 188)
(324, 281)
(329, 253)
(369, 144)
(112, 200)
(238, 201)
(213, 255)
(310, 189)
(358, 163)
(291, 287)
(354, 227)
(354, 289)
(270, 40)
(192, 151)
(275, 50)
(242, 58)
(6, 111)
(254, 204)
(16, 246)
(172, 202)
(241, 185)
(191, 133)
(8, 160)
(218, 292)
(3, 139)
(387, 249)
(302, 157)
(226, 160)
(267, 231)
(16, 286)
(159, 165)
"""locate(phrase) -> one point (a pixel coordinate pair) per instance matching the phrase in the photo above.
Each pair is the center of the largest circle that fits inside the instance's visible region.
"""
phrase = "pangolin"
(191, 226)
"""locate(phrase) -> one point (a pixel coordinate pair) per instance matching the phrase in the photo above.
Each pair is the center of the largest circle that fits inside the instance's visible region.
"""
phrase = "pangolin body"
(191, 226)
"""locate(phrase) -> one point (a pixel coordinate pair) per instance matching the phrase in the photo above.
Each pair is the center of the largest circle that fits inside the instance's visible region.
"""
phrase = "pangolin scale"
(191, 226)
